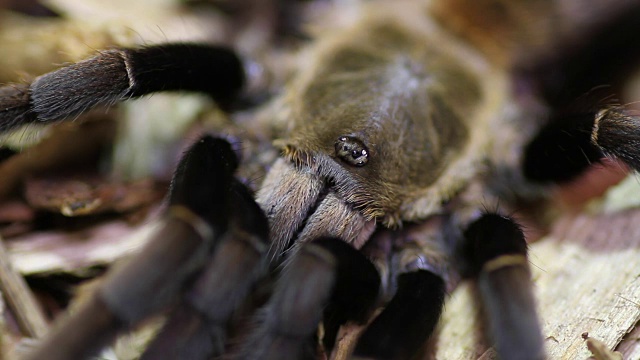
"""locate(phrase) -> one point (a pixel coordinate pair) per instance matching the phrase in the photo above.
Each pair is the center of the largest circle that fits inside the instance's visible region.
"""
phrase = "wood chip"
(600, 351)
(20, 299)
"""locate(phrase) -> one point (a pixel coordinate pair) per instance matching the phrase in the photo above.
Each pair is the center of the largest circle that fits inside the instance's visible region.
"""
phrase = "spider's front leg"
(191, 230)
(494, 254)
(326, 279)
(122, 74)
(197, 327)
(417, 275)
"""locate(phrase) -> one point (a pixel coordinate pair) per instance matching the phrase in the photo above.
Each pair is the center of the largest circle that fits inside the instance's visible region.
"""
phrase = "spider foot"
(326, 279)
(416, 272)
(495, 253)
(400, 331)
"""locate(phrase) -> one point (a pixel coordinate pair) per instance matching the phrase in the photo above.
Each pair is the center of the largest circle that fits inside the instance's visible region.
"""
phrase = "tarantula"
(394, 133)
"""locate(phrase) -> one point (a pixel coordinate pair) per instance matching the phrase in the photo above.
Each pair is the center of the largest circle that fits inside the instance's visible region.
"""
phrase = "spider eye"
(352, 151)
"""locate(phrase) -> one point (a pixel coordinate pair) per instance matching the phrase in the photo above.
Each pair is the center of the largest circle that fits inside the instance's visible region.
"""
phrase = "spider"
(395, 135)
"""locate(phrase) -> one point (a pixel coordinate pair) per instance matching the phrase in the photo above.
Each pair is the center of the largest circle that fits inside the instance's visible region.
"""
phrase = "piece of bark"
(69, 145)
(87, 195)
(55, 251)
(20, 299)
(600, 351)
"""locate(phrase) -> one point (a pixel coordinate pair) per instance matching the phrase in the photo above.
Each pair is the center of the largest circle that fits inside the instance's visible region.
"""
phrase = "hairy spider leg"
(570, 143)
(494, 252)
(356, 291)
(402, 328)
(122, 74)
(578, 84)
(324, 271)
(416, 272)
(154, 278)
(197, 328)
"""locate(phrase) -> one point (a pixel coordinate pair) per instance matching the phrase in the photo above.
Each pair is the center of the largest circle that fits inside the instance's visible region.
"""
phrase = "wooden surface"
(25, 308)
